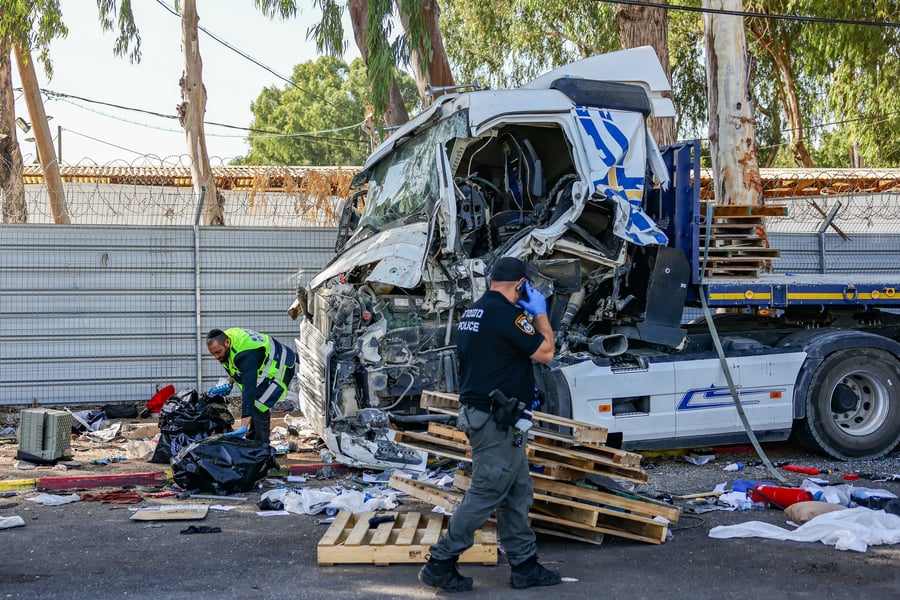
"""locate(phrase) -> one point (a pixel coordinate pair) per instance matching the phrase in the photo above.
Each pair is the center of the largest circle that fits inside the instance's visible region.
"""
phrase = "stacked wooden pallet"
(738, 246)
(569, 464)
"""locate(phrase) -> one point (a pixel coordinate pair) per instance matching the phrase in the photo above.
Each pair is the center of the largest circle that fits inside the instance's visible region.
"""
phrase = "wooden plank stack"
(563, 455)
(406, 539)
(738, 246)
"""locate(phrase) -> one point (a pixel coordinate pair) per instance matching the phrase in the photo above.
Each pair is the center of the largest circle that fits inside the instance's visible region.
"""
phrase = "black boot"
(444, 575)
(530, 573)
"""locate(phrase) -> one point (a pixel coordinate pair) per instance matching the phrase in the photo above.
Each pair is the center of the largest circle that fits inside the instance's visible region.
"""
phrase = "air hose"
(724, 363)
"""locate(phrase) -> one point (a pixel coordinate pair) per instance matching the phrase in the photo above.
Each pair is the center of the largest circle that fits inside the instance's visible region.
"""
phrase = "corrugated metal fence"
(96, 314)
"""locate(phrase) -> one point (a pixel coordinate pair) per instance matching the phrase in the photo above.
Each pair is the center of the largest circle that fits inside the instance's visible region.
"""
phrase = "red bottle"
(779, 497)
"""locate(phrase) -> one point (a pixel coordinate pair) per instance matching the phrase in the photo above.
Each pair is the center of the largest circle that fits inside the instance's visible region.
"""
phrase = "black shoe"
(443, 574)
(530, 574)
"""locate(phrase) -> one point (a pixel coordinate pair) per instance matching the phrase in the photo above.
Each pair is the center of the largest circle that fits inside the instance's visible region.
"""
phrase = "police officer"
(261, 367)
(497, 343)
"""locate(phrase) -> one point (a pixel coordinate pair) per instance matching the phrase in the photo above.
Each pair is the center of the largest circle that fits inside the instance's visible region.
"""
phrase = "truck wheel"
(853, 404)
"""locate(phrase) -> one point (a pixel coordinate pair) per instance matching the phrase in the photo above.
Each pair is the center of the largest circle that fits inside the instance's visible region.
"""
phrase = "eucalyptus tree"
(118, 15)
(382, 50)
(27, 27)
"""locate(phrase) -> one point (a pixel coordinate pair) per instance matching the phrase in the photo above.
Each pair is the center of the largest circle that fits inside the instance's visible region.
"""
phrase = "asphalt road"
(90, 550)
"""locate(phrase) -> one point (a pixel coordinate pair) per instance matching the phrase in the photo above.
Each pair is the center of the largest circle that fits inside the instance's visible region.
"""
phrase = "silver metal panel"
(94, 314)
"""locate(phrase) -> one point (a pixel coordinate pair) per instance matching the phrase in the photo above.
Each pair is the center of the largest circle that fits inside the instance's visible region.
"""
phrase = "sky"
(84, 65)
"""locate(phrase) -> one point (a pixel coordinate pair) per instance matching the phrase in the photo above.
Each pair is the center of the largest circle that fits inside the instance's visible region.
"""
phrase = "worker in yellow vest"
(261, 366)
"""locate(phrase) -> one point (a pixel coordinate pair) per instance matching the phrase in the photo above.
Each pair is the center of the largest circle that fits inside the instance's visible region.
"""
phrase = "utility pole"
(43, 138)
(732, 125)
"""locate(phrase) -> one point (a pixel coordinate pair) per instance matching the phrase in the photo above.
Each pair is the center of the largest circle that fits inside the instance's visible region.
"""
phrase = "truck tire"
(853, 404)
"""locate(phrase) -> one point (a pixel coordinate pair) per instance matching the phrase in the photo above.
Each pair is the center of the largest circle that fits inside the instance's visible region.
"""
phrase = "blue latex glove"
(536, 304)
(221, 390)
(239, 432)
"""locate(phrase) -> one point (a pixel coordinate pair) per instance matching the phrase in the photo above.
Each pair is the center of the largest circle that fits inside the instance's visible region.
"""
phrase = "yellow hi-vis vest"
(272, 367)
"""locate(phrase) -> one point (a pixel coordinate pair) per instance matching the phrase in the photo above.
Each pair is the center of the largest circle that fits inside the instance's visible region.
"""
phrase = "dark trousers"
(260, 422)
(501, 481)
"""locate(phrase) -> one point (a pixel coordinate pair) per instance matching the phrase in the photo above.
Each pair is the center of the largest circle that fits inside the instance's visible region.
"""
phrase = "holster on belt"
(505, 411)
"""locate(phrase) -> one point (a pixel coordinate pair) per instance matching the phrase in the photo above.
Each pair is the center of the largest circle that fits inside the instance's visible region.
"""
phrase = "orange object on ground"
(799, 469)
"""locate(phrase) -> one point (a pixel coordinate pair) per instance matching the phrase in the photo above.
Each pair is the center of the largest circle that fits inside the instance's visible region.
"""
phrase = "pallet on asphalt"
(350, 539)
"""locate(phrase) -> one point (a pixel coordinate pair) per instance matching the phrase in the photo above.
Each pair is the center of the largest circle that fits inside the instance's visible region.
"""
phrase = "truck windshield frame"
(404, 181)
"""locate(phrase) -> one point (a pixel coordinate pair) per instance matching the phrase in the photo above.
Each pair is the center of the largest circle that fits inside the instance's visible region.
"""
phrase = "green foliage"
(843, 73)
(383, 56)
(833, 149)
(113, 17)
(328, 95)
(505, 44)
(33, 24)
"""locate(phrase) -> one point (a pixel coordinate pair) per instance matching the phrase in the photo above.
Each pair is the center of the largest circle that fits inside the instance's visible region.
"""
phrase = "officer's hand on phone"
(534, 302)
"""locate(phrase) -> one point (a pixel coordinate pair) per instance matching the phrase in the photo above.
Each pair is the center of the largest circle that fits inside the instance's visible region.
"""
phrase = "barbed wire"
(159, 191)
(151, 190)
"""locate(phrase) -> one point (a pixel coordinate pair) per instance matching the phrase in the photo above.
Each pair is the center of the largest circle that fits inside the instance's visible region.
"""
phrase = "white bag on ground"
(10, 522)
(853, 529)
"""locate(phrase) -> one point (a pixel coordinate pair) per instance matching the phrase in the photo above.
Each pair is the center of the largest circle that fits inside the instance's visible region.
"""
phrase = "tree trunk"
(433, 68)
(191, 112)
(732, 128)
(42, 136)
(787, 89)
(12, 188)
(395, 112)
(647, 26)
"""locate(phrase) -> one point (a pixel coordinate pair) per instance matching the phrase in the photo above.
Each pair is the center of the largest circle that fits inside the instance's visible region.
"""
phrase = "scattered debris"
(171, 512)
(852, 529)
(10, 522)
(54, 499)
(200, 529)
(113, 497)
(578, 480)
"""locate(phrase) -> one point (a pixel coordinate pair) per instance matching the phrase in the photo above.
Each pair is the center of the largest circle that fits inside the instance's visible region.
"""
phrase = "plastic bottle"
(735, 467)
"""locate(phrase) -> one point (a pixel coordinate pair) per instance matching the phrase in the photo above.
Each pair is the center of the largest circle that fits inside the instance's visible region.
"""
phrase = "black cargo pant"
(501, 482)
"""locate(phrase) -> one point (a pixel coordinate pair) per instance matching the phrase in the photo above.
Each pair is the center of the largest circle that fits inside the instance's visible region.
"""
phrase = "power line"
(243, 54)
(263, 133)
(84, 135)
(742, 13)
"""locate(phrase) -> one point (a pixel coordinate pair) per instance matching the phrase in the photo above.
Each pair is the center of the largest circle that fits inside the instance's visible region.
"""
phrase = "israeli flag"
(618, 169)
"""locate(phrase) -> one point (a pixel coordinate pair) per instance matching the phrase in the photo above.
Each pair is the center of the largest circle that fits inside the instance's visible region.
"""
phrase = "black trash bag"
(186, 412)
(120, 411)
(223, 465)
(191, 415)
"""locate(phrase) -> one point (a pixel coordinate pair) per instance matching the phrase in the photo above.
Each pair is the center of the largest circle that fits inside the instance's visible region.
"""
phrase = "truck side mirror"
(349, 219)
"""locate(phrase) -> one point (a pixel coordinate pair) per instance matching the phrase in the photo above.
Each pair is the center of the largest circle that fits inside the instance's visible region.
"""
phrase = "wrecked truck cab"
(556, 173)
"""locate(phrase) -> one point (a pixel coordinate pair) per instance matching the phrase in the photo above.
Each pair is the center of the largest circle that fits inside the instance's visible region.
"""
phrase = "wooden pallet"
(426, 492)
(585, 514)
(582, 460)
(738, 246)
(574, 432)
(350, 540)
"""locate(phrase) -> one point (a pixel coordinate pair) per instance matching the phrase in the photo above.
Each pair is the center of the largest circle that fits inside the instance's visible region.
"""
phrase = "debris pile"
(582, 488)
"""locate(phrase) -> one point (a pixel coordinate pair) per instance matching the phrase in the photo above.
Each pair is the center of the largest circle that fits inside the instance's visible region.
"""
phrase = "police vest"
(272, 367)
